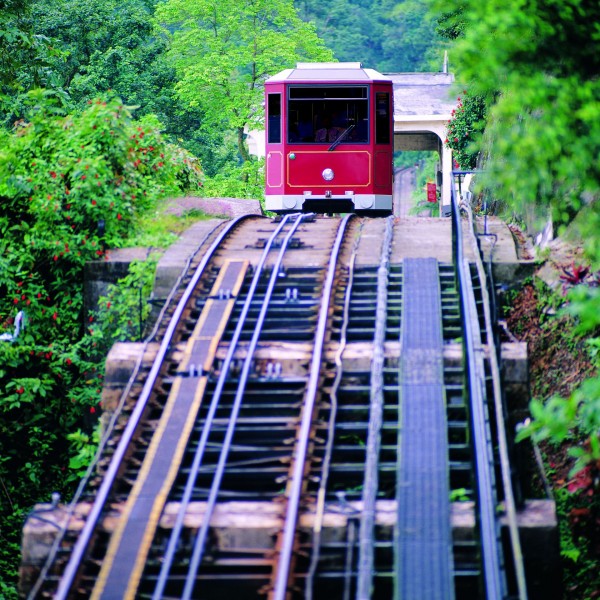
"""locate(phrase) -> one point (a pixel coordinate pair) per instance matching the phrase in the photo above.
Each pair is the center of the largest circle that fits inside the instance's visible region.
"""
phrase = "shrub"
(467, 121)
(71, 188)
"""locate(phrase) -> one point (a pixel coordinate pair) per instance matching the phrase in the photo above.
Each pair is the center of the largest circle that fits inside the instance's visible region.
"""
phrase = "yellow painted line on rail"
(161, 497)
(179, 451)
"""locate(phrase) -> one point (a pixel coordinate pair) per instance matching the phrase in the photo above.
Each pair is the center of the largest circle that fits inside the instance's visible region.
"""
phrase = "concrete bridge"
(423, 105)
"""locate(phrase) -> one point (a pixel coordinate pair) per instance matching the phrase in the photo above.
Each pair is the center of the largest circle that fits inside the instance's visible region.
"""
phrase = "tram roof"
(328, 72)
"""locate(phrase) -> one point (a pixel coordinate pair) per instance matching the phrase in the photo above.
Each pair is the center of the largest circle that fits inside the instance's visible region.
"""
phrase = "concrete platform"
(431, 237)
(499, 245)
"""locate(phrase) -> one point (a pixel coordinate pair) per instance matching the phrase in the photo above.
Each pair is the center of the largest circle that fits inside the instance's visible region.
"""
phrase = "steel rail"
(110, 477)
(509, 498)
(289, 530)
(320, 507)
(489, 526)
(202, 444)
(113, 420)
(202, 534)
(366, 556)
(484, 460)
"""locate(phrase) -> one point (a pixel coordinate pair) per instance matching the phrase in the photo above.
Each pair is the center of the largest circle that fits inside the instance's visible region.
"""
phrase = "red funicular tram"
(329, 139)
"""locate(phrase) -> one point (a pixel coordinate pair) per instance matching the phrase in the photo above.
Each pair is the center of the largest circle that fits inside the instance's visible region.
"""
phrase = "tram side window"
(382, 118)
(274, 112)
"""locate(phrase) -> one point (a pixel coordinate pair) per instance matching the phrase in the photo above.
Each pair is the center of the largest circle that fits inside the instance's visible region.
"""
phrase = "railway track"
(302, 432)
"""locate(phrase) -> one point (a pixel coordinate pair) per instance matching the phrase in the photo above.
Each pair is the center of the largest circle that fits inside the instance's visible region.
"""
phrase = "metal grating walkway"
(423, 553)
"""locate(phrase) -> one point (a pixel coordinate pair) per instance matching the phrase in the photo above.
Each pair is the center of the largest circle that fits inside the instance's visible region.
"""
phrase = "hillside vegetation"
(107, 107)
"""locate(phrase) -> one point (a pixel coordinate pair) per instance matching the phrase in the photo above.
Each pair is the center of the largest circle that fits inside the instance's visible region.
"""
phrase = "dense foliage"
(223, 51)
(388, 35)
(71, 187)
(26, 59)
(464, 129)
(534, 68)
(78, 176)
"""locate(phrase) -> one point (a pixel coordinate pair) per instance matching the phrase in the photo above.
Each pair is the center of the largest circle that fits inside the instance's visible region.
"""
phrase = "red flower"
(55, 257)
(108, 305)
(118, 216)
(69, 361)
(53, 174)
(55, 316)
(20, 390)
(93, 203)
(16, 301)
(83, 176)
(92, 409)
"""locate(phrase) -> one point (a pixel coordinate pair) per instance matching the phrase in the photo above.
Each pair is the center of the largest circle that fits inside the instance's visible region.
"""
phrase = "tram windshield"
(328, 114)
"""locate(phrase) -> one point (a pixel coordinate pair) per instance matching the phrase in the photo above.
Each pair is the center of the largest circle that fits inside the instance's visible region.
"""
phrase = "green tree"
(537, 66)
(113, 45)
(224, 50)
(27, 59)
(387, 35)
(108, 44)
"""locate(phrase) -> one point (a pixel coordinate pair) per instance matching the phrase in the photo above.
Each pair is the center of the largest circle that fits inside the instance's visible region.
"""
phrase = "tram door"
(274, 147)
(383, 147)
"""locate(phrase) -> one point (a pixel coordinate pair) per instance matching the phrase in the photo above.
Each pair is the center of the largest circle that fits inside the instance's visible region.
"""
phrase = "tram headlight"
(327, 174)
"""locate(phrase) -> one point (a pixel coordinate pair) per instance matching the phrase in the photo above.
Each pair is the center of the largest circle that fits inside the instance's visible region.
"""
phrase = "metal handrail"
(503, 450)
(489, 526)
